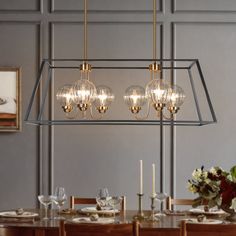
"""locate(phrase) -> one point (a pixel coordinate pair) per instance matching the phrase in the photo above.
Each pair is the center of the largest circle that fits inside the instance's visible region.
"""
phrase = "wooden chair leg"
(136, 228)
(183, 228)
(62, 228)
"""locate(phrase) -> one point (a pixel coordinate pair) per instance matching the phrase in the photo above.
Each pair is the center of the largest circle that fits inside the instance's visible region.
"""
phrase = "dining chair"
(88, 229)
(170, 202)
(92, 201)
(190, 229)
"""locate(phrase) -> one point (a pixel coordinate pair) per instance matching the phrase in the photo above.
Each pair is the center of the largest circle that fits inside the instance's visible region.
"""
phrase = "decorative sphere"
(65, 95)
(84, 92)
(135, 96)
(104, 96)
(175, 97)
(157, 91)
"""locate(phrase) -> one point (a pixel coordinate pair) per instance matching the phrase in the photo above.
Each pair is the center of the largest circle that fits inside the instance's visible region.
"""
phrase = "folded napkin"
(88, 220)
(175, 213)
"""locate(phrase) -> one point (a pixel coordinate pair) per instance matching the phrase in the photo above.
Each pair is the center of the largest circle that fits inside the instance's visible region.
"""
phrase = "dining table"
(167, 225)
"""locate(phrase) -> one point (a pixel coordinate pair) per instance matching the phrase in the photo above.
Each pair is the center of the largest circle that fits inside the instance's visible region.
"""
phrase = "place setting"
(19, 215)
(104, 212)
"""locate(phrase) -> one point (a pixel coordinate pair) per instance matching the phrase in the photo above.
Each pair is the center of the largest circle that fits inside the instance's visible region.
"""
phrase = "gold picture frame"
(10, 99)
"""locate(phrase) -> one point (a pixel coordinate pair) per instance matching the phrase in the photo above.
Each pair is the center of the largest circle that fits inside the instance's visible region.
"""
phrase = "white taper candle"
(153, 180)
(141, 177)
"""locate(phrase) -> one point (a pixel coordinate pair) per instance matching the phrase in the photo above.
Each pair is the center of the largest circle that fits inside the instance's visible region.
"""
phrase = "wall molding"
(175, 10)
(113, 11)
(24, 11)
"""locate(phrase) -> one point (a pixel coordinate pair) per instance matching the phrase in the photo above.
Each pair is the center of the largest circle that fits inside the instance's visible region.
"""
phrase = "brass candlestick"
(152, 217)
(140, 214)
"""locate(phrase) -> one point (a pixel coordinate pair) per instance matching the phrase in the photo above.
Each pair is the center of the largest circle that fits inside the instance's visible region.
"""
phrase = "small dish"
(88, 220)
(197, 211)
(13, 214)
(92, 210)
(205, 221)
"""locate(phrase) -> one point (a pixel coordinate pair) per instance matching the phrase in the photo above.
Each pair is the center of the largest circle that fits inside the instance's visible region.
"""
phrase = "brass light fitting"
(85, 67)
(155, 67)
(67, 108)
(173, 110)
(102, 109)
(83, 106)
(135, 110)
(159, 106)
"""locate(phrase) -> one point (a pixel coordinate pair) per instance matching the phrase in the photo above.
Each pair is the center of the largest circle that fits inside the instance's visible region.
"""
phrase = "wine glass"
(113, 202)
(161, 197)
(102, 198)
(59, 198)
(45, 200)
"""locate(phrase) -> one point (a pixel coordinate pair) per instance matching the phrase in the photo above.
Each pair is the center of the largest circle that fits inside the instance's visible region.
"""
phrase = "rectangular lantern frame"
(188, 65)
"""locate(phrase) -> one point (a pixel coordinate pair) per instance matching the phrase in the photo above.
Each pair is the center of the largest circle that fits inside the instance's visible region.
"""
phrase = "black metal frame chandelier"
(83, 103)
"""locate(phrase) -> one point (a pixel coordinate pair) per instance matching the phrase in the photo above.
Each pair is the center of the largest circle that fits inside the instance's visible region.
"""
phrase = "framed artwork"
(10, 99)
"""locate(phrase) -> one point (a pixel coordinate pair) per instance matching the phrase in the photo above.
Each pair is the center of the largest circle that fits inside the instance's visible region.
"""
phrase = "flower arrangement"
(216, 187)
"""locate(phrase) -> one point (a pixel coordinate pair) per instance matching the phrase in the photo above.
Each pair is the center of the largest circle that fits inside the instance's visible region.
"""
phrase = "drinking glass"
(102, 198)
(59, 198)
(113, 202)
(161, 197)
(45, 200)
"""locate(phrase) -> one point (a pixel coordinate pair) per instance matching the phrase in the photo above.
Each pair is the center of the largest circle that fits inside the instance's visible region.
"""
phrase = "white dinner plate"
(210, 212)
(87, 220)
(26, 214)
(206, 221)
(94, 210)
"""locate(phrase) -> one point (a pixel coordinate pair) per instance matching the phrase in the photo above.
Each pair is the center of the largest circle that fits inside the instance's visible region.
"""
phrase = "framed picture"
(10, 99)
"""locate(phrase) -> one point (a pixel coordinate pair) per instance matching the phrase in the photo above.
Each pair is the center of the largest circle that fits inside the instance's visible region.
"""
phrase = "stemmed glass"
(45, 200)
(59, 198)
(114, 201)
(161, 197)
(102, 198)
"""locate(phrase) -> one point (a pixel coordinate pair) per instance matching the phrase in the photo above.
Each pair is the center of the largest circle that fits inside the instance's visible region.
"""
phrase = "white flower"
(192, 188)
(233, 204)
(230, 178)
(197, 174)
(213, 170)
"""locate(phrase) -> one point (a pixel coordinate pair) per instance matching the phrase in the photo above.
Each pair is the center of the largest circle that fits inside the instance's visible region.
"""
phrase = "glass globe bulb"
(104, 98)
(84, 93)
(175, 98)
(157, 90)
(135, 98)
(65, 97)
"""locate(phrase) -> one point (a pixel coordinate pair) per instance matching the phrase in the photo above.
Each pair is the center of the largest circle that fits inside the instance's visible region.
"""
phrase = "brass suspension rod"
(154, 31)
(85, 30)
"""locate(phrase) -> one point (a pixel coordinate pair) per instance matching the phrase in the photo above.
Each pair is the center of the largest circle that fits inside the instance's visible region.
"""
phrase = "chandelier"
(82, 102)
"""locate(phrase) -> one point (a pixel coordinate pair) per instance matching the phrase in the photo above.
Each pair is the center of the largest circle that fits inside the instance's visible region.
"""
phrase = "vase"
(231, 212)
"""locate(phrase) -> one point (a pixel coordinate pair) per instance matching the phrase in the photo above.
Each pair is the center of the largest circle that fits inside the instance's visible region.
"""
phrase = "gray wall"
(84, 159)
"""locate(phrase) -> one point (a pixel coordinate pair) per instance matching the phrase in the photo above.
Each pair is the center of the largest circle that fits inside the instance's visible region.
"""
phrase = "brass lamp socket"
(159, 106)
(85, 67)
(155, 67)
(173, 110)
(102, 109)
(67, 108)
(82, 106)
(135, 110)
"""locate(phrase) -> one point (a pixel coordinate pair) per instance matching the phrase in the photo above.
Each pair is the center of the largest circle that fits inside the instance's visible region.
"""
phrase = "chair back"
(190, 229)
(83, 229)
(92, 201)
(170, 202)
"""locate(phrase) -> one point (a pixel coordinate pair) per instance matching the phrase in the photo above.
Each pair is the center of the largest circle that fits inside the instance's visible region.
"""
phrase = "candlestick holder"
(140, 214)
(152, 217)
